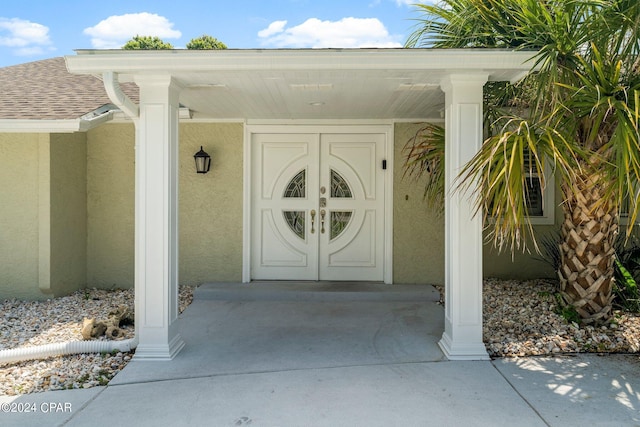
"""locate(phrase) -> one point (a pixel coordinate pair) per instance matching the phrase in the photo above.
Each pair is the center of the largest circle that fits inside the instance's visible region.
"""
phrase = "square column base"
(159, 352)
(462, 351)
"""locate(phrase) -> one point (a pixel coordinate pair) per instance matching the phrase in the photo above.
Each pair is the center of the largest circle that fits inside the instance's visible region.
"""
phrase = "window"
(540, 201)
(535, 205)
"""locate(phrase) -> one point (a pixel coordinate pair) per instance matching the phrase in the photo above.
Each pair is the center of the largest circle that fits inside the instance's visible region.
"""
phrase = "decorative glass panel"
(296, 188)
(339, 187)
(295, 221)
(339, 221)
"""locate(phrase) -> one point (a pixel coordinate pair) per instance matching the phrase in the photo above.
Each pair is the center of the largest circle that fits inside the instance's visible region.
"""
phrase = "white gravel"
(520, 320)
(30, 323)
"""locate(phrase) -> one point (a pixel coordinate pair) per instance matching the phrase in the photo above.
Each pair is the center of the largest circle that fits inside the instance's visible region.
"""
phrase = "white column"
(156, 219)
(462, 337)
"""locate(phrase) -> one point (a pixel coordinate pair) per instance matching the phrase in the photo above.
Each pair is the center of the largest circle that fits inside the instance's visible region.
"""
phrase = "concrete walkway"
(276, 354)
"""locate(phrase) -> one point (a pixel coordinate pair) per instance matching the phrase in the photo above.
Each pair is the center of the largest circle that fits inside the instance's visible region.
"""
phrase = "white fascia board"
(52, 126)
(40, 126)
(129, 62)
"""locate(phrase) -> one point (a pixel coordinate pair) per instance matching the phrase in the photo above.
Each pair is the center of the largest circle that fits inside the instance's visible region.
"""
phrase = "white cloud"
(26, 38)
(116, 30)
(274, 28)
(345, 33)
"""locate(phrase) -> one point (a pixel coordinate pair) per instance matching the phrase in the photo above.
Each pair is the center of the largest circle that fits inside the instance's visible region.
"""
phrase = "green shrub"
(206, 42)
(146, 43)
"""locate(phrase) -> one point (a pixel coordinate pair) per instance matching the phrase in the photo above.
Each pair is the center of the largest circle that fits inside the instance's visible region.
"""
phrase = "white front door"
(318, 206)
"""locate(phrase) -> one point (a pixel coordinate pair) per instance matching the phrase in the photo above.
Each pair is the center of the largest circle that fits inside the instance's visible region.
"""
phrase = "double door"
(317, 206)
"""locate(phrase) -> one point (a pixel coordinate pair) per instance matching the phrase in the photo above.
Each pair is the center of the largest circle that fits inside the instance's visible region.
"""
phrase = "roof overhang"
(308, 83)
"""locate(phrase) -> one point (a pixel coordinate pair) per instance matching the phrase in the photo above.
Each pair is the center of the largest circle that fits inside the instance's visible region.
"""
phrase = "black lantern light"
(203, 161)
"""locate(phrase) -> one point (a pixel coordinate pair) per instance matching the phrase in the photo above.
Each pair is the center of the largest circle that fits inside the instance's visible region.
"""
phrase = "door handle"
(322, 214)
(313, 220)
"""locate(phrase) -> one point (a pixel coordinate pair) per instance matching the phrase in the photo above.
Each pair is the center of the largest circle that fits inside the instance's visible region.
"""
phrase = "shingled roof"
(45, 90)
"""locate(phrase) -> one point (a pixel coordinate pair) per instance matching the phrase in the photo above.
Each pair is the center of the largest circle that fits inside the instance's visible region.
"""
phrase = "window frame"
(548, 195)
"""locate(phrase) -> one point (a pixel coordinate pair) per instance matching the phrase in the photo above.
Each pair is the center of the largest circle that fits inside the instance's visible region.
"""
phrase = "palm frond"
(498, 177)
(425, 158)
(578, 110)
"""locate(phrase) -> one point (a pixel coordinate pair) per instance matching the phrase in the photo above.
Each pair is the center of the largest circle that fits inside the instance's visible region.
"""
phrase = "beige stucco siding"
(110, 205)
(19, 216)
(67, 214)
(210, 214)
(43, 215)
(418, 231)
(211, 204)
(522, 266)
(527, 264)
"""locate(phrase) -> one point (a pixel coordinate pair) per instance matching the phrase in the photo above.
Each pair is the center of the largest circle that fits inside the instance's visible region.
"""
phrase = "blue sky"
(37, 29)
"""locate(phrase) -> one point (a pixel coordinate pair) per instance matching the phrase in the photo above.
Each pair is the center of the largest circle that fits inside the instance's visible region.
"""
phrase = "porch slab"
(315, 291)
(238, 328)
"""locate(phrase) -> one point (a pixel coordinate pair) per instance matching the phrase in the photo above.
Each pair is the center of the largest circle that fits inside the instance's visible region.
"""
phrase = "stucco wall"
(43, 215)
(419, 233)
(211, 212)
(110, 205)
(418, 239)
(19, 253)
(528, 264)
(521, 266)
(68, 214)
(210, 204)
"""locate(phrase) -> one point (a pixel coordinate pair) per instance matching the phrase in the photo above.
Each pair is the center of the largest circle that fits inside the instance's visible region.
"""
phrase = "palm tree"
(578, 112)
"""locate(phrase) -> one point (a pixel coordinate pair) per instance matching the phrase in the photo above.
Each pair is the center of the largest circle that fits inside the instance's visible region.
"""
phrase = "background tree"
(206, 42)
(146, 43)
(577, 112)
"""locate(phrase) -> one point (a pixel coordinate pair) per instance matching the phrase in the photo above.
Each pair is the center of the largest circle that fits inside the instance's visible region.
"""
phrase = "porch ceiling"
(307, 84)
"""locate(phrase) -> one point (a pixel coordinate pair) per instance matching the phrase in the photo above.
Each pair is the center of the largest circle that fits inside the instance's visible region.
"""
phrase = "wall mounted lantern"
(203, 161)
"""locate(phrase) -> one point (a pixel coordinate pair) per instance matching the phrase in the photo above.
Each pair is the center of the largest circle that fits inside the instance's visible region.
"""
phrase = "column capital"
(453, 80)
(162, 80)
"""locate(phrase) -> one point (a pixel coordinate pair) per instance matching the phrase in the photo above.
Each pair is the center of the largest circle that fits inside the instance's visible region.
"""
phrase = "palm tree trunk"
(587, 251)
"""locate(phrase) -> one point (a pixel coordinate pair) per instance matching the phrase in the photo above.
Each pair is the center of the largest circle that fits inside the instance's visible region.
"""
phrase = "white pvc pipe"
(65, 348)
